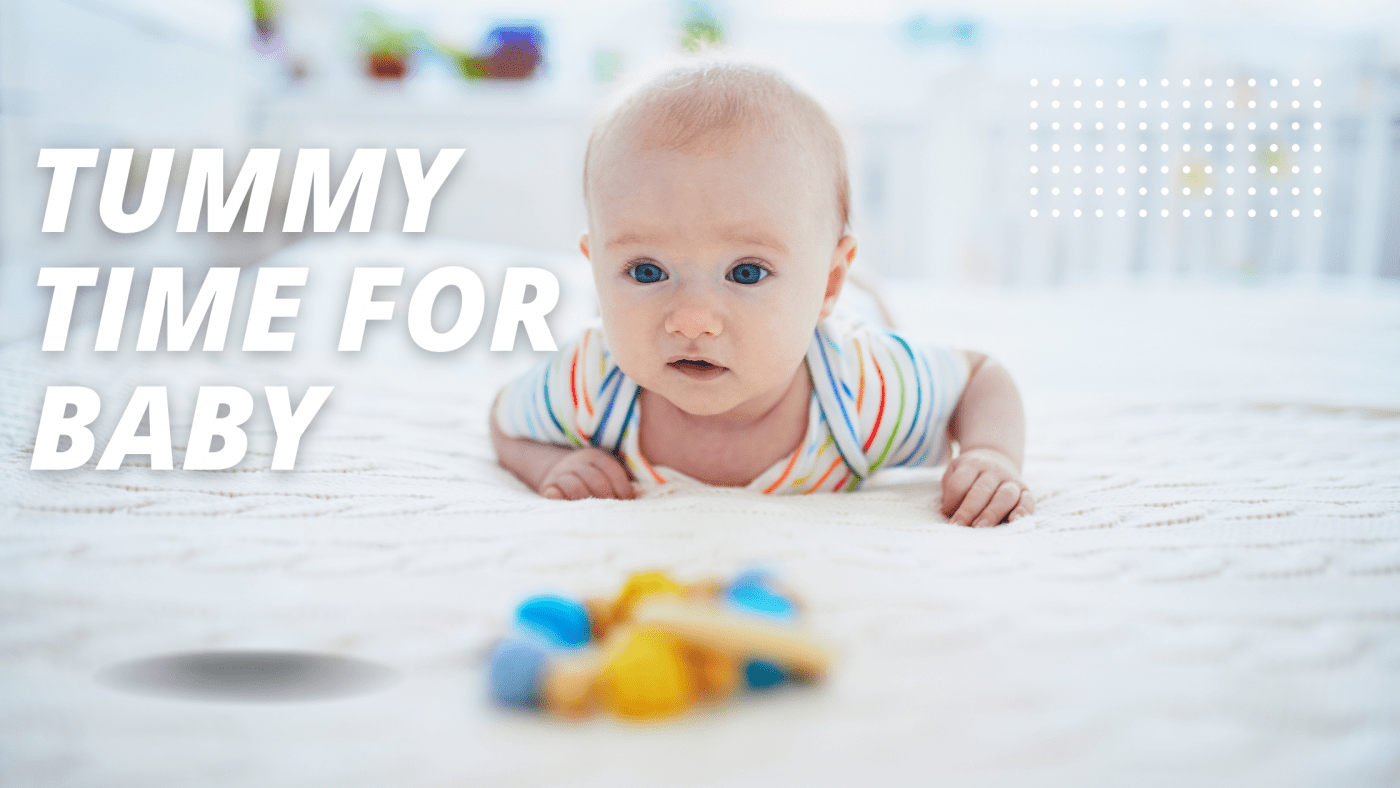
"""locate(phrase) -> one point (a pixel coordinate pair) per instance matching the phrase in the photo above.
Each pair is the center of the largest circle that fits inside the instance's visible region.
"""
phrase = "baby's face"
(713, 267)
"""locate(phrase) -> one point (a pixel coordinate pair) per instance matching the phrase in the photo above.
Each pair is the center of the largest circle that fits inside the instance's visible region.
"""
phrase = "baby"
(717, 202)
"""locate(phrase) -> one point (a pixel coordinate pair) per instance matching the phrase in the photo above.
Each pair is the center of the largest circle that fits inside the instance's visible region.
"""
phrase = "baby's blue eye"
(746, 273)
(646, 273)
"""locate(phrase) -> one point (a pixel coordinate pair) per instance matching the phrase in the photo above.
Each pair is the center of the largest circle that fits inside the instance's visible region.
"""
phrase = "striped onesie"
(877, 402)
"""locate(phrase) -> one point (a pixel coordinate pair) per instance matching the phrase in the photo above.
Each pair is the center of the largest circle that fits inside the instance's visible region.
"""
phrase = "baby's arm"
(982, 485)
(561, 471)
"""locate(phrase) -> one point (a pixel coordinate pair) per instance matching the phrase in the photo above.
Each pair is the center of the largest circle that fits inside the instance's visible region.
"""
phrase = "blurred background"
(1011, 145)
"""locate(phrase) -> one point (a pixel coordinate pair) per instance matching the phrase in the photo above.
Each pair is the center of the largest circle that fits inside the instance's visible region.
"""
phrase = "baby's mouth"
(697, 368)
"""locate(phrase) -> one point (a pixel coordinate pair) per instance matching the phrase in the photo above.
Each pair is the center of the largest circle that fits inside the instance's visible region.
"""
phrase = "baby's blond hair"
(712, 99)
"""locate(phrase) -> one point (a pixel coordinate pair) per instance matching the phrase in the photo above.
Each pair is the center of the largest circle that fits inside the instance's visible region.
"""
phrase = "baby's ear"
(841, 260)
(583, 245)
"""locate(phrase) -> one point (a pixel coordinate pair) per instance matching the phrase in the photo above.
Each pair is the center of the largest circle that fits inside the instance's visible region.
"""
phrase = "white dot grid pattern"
(1248, 135)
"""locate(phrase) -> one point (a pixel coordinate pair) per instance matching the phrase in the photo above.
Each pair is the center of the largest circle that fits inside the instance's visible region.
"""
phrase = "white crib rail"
(992, 182)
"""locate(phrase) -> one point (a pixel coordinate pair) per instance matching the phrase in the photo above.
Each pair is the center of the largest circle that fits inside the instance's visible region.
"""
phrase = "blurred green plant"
(264, 18)
(377, 35)
(263, 10)
(386, 46)
(701, 28)
(471, 66)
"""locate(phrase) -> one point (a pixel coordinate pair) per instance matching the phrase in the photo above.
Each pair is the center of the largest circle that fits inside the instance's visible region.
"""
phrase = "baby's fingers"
(1024, 506)
(977, 498)
(956, 482)
(599, 484)
(1007, 496)
(621, 484)
(567, 486)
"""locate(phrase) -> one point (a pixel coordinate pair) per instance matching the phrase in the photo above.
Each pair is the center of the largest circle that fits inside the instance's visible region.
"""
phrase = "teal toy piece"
(761, 675)
(562, 622)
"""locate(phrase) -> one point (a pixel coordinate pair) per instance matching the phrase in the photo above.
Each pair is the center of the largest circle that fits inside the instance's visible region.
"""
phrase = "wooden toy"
(656, 650)
(736, 634)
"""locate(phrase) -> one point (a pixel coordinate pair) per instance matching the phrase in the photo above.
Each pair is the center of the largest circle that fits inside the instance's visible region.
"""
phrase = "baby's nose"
(694, 321)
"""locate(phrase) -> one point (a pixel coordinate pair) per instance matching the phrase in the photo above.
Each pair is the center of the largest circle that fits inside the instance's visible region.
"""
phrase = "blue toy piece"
(516, 670)
(760, 674)
(752, 592)
(562, 622)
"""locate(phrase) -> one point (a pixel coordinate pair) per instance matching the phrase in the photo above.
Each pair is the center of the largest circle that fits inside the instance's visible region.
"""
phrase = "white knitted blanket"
(1208, 594)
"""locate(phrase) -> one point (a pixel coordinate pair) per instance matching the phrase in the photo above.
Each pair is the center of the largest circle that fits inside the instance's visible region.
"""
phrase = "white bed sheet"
(1208, 594)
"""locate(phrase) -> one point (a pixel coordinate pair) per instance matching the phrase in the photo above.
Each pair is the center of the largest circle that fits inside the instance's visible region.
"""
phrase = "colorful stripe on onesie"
(878, 401)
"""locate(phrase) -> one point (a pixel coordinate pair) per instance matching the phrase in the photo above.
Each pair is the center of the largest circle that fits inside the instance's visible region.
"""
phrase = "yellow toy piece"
(649, 678)
(639, 587)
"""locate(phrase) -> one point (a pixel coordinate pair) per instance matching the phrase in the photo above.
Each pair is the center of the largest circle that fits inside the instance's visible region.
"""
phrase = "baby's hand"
(982, 487)
(587, 473)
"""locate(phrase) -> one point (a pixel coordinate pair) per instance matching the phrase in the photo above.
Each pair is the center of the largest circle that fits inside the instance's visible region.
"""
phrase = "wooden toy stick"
(567, 689)
(733, 633)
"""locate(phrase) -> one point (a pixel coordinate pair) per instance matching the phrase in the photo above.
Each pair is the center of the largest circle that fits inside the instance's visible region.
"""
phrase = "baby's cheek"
(787, 326)
(778, 353)
(623, 328)
(625, 357)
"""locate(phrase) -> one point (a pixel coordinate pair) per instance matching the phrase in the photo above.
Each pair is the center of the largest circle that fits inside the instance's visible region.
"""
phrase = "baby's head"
(717, 211)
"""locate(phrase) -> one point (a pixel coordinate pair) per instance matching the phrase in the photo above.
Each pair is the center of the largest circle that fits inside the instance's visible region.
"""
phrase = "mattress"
(1207, 594)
